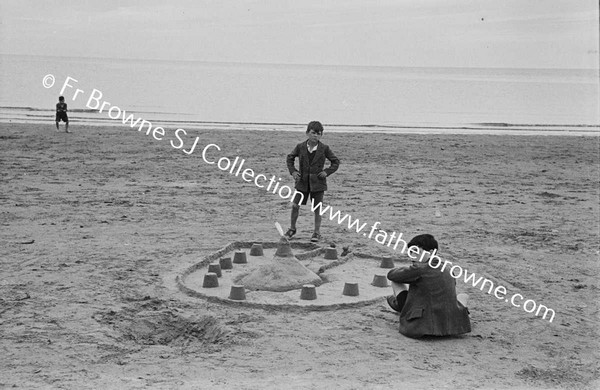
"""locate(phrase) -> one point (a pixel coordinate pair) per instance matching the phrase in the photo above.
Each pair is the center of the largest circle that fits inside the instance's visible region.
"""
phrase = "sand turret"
(284, 249)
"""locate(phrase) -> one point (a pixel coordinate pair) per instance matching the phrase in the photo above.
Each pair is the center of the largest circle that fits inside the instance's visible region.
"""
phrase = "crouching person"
(425, 295)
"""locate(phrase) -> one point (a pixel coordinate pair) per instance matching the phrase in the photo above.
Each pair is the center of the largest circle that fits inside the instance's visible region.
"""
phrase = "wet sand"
(97, 223)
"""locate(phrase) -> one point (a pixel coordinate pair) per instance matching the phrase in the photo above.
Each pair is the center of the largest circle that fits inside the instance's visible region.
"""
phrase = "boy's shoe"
(397, 302)
(391, 300)
(290, 233)
(316, 237)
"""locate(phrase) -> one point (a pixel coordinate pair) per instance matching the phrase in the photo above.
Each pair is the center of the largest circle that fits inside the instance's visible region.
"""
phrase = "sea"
(196, 94)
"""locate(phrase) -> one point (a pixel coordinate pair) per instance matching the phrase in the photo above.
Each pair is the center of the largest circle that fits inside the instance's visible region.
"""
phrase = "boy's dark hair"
(316, 126)
(424, 241)
(61, 98)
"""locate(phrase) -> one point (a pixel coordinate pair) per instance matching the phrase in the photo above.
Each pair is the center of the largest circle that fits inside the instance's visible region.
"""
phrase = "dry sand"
(95, 225)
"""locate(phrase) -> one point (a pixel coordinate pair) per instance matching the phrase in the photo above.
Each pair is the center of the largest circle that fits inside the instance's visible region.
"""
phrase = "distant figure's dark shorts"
(316, 196)
(62, 116)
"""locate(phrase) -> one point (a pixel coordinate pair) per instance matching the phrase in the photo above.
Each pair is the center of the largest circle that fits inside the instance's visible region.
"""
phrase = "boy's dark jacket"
(310, 170)
(431, 307)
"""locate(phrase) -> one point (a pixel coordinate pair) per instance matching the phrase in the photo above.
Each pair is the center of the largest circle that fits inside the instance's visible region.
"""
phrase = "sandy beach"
(96, 225)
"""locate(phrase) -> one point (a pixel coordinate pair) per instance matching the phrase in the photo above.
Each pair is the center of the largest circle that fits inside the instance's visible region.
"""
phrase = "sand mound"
(284, 273)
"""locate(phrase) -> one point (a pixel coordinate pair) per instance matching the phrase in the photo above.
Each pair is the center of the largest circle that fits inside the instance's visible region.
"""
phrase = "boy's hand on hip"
(296, 175)
(322, 175)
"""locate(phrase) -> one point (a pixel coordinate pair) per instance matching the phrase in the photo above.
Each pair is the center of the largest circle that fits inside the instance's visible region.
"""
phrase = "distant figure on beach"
(426, 296)
(61, 113)
(311, 177)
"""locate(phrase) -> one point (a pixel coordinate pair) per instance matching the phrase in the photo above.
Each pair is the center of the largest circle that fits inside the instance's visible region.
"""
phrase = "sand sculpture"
(283, 273)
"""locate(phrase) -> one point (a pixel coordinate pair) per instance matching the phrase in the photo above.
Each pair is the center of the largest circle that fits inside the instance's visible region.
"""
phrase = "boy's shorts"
(317, 197)
(62, 116)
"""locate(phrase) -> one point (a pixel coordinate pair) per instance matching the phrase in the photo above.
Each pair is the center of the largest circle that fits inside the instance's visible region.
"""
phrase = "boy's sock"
(401, 299)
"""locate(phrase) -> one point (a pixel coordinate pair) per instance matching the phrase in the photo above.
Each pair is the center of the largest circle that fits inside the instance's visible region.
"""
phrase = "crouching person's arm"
(406, 274)
(401, 277)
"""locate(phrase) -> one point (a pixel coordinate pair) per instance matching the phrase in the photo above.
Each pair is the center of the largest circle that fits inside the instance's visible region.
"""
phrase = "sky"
(435, 33)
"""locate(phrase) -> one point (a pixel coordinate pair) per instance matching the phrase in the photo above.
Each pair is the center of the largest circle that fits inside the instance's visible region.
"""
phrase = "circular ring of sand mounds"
(275, 279)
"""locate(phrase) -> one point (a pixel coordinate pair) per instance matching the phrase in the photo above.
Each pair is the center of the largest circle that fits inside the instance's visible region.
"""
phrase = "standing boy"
(61, 113)
(311, 178)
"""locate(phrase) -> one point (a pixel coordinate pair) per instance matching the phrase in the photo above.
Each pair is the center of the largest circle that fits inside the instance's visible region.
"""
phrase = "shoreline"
(474, 129)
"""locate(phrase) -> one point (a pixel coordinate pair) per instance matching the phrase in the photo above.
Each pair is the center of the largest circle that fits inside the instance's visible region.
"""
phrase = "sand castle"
(283, 273)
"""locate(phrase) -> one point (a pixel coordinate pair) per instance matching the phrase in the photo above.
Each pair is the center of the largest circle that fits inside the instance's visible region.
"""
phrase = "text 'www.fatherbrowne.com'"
(393, 240)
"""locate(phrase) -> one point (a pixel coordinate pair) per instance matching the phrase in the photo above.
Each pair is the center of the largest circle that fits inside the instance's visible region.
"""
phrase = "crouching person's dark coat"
(431, 307)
